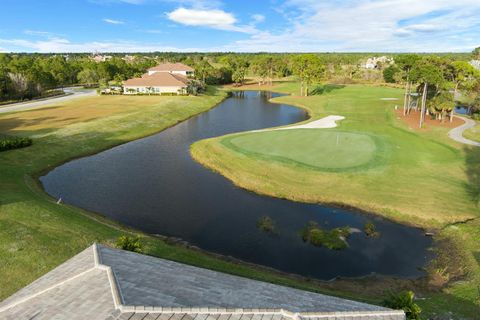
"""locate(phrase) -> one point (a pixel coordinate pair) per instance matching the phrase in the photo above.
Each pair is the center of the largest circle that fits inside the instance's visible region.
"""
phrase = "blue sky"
(246, 25)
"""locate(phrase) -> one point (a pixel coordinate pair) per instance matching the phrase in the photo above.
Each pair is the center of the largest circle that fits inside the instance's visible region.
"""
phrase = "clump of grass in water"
(334, 239)
(266, 224)
(371, 230)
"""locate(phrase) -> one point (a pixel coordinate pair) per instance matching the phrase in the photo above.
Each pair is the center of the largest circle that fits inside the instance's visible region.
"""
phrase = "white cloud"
(370, 25)
(194, 17)
(39, 33)
(257, 18)
(212, 18)
(112, 21)
(64, 45)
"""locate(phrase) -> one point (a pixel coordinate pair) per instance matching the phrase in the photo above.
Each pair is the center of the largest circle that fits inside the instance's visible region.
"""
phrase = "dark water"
(462, 110)
(153, 184)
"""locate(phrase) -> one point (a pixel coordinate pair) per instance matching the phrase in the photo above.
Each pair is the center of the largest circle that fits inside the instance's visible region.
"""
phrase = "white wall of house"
(183, 73)
(153, 90)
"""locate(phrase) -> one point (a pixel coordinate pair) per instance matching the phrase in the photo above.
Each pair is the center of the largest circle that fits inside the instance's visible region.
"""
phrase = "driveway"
(73, 93)
(457, 133)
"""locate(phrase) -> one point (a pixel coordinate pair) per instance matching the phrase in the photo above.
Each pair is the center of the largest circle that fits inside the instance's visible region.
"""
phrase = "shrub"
(371, 230)
(403, 301)
(130, 244)
(389, 74)
(334, 239)
(266, 224)
(10, 142)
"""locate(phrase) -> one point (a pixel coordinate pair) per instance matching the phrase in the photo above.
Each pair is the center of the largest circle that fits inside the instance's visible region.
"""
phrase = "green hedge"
(10, 142)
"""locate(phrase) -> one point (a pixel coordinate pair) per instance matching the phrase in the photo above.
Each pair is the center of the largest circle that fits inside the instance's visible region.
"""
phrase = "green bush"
(130, 244)
(10, 142)
(334, 239)
(403, 301)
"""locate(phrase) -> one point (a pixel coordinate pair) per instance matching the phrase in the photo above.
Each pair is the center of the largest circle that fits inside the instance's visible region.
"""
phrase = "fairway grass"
(311, 148)
(473, 133)
(420, 178)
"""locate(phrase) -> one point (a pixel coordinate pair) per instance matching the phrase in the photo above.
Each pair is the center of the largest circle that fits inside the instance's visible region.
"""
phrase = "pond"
(154, 185)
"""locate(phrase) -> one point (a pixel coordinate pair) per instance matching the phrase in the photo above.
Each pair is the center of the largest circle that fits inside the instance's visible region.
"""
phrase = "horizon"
(221, 26)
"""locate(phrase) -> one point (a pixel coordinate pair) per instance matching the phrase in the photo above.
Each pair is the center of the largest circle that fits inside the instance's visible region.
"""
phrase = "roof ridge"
(119, 304)
(56, 285)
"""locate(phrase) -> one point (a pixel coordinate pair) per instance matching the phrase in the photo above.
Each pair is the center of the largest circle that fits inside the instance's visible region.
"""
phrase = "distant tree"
(441, 104)
(476, 53)
(429, 74)
(389, 73)
(309, 68)
(238, 75)
(406, 62)
(88, 77)
(19, 83)
(464, 76)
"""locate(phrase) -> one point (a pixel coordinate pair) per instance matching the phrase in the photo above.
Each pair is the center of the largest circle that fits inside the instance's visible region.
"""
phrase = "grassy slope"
(427, 179)
(473, 133)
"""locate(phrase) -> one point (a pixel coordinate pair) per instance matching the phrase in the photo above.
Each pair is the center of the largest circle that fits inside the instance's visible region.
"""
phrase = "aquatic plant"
(334, 239)
(371, 230)
(266, 224)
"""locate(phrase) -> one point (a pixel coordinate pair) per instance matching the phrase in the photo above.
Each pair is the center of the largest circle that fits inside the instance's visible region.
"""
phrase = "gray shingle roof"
(106, 283)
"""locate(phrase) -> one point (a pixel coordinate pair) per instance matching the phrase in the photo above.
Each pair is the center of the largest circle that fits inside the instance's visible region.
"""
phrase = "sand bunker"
(327, 122)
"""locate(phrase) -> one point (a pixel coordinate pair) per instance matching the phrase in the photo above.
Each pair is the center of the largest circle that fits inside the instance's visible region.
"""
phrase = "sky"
(241, 26)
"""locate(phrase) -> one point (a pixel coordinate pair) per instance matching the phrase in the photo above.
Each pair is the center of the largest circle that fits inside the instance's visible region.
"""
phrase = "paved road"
(457, 133)
(73, 94)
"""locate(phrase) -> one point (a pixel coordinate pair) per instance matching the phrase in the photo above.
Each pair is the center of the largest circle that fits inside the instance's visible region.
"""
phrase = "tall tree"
(309, 68)
(406, 62)
(429, 74)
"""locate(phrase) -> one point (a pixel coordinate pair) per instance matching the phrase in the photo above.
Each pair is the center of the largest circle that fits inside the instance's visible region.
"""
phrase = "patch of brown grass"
(81, 110)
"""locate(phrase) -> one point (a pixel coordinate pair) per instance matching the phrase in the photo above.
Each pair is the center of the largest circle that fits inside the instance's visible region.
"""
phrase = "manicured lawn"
(424, 178)
(473, 133)
(311, 148)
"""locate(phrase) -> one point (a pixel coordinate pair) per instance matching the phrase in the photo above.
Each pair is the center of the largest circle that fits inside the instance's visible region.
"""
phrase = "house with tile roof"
(166, 78)
(106, 283)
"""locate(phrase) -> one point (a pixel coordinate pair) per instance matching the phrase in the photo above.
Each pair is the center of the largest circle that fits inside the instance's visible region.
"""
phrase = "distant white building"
(164, 78)
(174, 68)
(375, 62)
(101, 58)
(475, 64)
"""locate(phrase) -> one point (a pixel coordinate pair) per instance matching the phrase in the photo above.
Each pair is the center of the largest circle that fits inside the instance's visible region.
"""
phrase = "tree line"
(25, 76)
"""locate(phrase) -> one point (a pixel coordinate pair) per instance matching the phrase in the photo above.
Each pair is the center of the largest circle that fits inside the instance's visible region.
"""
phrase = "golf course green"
(313, 148)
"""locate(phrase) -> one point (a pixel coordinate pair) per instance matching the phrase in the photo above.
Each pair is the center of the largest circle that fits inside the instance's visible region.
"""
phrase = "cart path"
(457, 133)
(72, 94)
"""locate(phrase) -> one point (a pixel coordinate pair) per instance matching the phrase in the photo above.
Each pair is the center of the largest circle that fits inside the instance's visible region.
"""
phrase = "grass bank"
(473, 133)
(423, 178)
